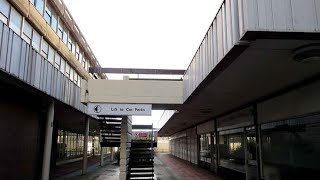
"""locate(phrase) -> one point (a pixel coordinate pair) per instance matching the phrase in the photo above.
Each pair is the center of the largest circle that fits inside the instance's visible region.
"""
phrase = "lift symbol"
(97, 109)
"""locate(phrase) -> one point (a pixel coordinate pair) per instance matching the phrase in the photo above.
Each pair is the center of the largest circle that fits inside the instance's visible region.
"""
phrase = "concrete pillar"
(126, 134)
(112, 154)
(101, 155)
(48, 142)
(85, 146)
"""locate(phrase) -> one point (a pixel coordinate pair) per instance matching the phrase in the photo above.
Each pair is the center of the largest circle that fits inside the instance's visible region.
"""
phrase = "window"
(79, 80)
(51, 55)
(75, 77)
(290, 149)
(4, 11)
(71, 45)
(63, 65)
(71, 74)
(39, 6)
(77, 51)
(67, 70)
(36, 40)
(44, 49)
(50, 17)
(205, 150)
(27, 32)
(62, 33)
(57, 61)
(15, 21)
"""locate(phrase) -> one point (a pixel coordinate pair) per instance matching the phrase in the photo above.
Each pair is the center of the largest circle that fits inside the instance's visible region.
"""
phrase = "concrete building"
(251, 102)
(246, 107)
(43, 57)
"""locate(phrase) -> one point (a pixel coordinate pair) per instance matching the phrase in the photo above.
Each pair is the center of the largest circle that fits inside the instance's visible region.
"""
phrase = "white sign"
(119, 109)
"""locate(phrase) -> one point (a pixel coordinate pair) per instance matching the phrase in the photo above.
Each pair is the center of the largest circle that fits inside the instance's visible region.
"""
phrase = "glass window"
(32, 2)
(39, 6)
(67, 70)
(231, 149)
(71, 74)
(79, 80)
(15, 21)
(47, 15)
(4, 11)
(27, 32)
(63, 65)
(54, 21)
(36, 40)
(57, 61)
(62, 33)
(44, 49)
(205, 150)
(75, 77)
(290, 149)
(51, 55)
(77, 51)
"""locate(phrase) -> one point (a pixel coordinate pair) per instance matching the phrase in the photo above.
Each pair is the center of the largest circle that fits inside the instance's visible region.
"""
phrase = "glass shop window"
(291, 149)
(4, 11)
(205, 148)
(231, 149)
(15, 21)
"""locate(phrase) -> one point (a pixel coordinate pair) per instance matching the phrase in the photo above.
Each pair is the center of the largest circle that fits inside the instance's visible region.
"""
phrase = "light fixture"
(307, 54)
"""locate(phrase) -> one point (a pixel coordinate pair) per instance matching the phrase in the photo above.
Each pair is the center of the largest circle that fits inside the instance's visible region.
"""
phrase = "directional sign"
(119, 109)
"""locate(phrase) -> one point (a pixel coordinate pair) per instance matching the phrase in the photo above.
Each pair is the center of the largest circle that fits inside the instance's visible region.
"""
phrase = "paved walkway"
(167, 167)
(173, 168)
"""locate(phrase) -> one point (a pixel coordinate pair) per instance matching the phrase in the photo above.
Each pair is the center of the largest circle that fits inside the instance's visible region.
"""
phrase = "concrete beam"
(132, 91)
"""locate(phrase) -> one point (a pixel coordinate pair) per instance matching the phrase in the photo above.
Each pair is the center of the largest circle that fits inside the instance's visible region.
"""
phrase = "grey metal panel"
(241, 17)
(282, 16)
(49, 78)
(44, 77)
(26, 65)
(228, 19)
(4, 47)
(215, 43)
(317, 6)
(1, 32)
(15, 55)
(220, 36)
(265, 17)
(304, 14)
(235, 21)
(224, 29)
(9, 51)
(32, 69)
(23, 60)
(37, 72)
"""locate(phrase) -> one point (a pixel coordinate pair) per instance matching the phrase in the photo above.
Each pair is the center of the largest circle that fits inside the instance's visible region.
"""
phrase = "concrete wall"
(132, 91)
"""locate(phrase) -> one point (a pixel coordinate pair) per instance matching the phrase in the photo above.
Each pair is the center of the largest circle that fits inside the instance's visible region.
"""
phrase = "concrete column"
(48, 142)
(101, 156)
(85, 146)
(112, 154)
(126, 133)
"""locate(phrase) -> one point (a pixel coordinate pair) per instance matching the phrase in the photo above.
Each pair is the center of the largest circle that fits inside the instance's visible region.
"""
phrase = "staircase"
(141, 161)
(110, 129)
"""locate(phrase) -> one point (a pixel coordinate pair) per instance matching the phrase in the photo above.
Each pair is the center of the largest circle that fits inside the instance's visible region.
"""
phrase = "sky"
(154, 34)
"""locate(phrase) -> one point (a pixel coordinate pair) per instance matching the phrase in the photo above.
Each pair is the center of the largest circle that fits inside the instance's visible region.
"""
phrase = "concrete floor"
(167, 167)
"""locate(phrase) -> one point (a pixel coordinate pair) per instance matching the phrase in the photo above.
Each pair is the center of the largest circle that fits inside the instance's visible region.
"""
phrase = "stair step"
(141, 175)
(140, 170)
(141, 166)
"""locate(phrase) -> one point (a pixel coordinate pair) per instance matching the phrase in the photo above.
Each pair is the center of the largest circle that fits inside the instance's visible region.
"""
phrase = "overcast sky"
(144, 33)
